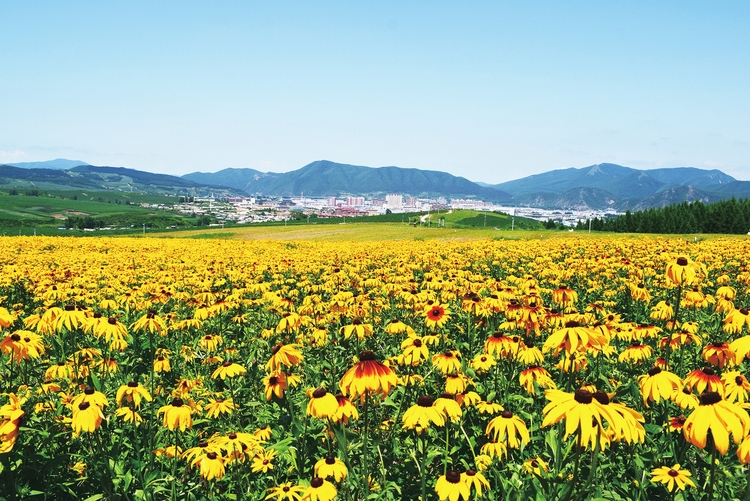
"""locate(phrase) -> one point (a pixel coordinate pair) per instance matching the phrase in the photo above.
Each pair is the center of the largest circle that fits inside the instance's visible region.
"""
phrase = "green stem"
(447, 444)
(712, 478)
(364, 446)
(423, 469)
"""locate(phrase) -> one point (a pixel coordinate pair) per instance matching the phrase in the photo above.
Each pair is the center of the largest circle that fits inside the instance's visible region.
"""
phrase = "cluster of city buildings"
(257, 209)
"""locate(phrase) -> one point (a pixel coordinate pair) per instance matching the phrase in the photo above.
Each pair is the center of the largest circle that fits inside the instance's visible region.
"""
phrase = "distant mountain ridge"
(600, 187)
(326, 178)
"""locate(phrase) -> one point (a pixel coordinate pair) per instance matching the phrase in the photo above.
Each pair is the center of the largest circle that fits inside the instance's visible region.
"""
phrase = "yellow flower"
(452, 486)
(509, 428)
(176, 414)
(285, 492)
(86, 417)
(672, 477)
(320, 490)
(331, 467)
(228, 369)
(215, 408)
(368, 375)
(419, 416)
(132, 392)
(262, 462)
(719, 417)
(322, 404)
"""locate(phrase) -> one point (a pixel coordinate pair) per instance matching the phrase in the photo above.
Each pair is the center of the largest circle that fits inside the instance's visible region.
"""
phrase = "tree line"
(725, 216)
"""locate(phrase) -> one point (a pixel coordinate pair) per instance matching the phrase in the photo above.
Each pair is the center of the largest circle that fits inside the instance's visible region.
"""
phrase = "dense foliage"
(726, 216)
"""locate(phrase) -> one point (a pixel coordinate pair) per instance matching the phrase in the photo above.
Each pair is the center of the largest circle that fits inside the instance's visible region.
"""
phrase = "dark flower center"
(177, 402)
(710, 398)
(583, 396)
(471, 472)
(316, 482)
(507, 414)
(453, 477)
(449, 396)
(673, 473)
(744, 311)
(356, 321)
(367, 356)
(132, 384)
(211, 455)
(112, 321)
(653, 371)
(571, 324)
(15, 337)
(330, 460)
(273, 380)
(69, 307)
(601, 397)
(682, 261)
(226, 364)
(739, 380)
(417, 343)
(708, 371)
(425, 401)
(89, 390)
(319, 393)
(84, 405)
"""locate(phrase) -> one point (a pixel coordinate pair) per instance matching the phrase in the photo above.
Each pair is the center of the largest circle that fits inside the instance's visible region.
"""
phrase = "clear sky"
(491, 91)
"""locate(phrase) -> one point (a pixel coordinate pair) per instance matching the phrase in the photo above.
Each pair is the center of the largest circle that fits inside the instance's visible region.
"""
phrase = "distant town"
(241, 210)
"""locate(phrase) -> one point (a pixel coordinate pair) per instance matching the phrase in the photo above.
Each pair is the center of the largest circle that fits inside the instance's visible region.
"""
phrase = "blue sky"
(491, 91)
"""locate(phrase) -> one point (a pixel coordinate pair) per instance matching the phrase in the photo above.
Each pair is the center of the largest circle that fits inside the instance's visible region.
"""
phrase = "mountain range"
(601, 186)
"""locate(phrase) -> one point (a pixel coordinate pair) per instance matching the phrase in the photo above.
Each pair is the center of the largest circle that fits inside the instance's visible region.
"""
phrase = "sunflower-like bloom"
(421, 415)
(210, 465)
(736, 387)
(263, 461)
(499, 345)
(290, 322)
(452, 486)
(275, 385)
(215, 408)
(132, 392)
(284, 355)
(704, 379)
(682, 271)
(92, 396)
(86, 417)
(150, 322)
(529, 354)
(320, 490)
(161, 364)
(362, 330)
(285, 492)
(535, 466)
(436, 315)
(477, 480)
(331, 467)
(720, 418)
(581, 411)
(22, 345)
(574, 337)
(456, 383)
(322, 404)
(508, 428)
(662, 311)
(228, 369)
(368, 375)
(538, 375)
(658, 384)
(672, 477)
(489, 408)
(345, 410)
(10, 419)
(564, 296)
(210, 342)
(743, 451)
(448, 362)
(719, 354)
(414, 350)
(685, 399)
(129, 415)
(636, 353)
(625, 424)
(483, 362)
(176, 414)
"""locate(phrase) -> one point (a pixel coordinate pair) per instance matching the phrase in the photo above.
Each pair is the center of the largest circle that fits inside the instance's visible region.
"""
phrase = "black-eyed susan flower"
(494, 449)
(682, 271)
(636, 353)
(129, 415)
(582, 413)
(176, 414)
(476, 480)
(538, 375)
(736, 387)
(436, 315)
(448, 405)
(285, 492)
(508, 428)
(358, 328)
(483, 362)
(529, 354)
(92, 396)
(150, 322)
(132, 392)
(658, 384)
(574, 337)
(451, 486)
(287, 355)
(672, 477)
(456, 383)
(421, 415)
(368, 375)
(414, 350)
(228, 369)
(704, 379)
(161, 364)
(676, 423)
(263, 461)
(211, 465)
(685, 398)
(275, 385)
(719, 354)
(489, 408)
(320, 490)
(210, 342)
(718, 417)
(331, 467)
(535, 466)
(216, 407)
(322, 404)
(345, 410)
(448, 362)
(87, 416)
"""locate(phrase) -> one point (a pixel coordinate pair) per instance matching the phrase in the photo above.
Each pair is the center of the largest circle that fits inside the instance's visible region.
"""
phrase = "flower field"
(559, 369)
